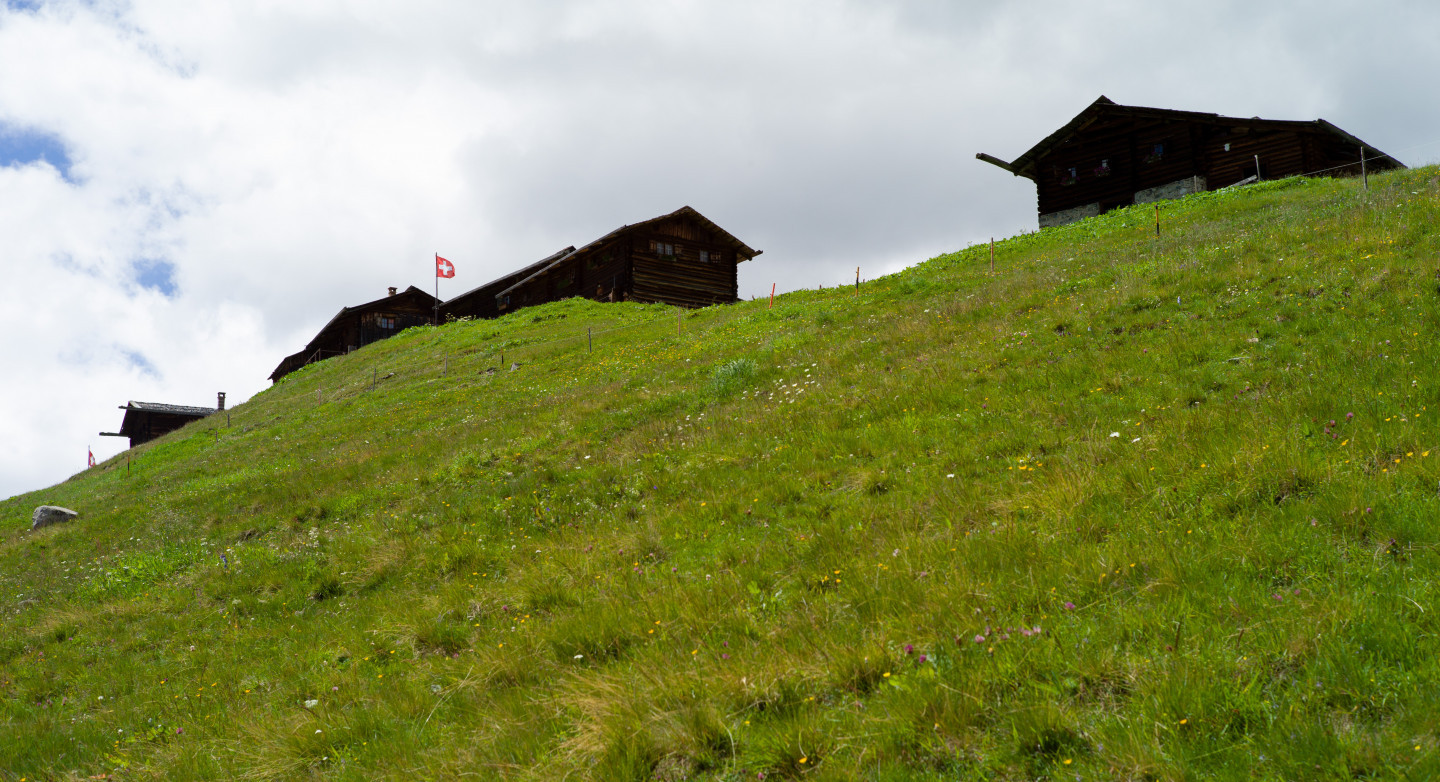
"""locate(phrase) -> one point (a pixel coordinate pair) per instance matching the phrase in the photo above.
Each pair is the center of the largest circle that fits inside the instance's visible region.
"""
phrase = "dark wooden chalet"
(1112, 155)
(355, 327)
(680, 258)
(145, 421)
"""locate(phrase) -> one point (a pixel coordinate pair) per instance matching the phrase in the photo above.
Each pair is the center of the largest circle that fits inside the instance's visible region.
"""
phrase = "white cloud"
(289, 158)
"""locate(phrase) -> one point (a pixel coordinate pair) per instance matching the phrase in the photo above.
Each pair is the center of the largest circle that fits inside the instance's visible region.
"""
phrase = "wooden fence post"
(589, 340)
(1364, 174)
(857, 280)
(992, 255)
(1157, 219)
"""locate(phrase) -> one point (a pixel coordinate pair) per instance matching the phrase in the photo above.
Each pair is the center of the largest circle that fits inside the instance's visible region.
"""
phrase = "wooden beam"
(995, 161)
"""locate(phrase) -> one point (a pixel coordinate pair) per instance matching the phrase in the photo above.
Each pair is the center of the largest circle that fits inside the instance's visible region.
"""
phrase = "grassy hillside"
(1127, 507)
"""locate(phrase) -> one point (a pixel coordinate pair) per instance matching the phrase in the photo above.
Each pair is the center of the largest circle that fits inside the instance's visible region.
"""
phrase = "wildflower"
(909, 649)
(1348, 416)
(979, 639)
(1069, 606)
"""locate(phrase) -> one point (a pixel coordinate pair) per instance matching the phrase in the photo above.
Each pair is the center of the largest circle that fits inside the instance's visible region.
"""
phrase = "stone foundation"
(1176, 189)
(1069, 215)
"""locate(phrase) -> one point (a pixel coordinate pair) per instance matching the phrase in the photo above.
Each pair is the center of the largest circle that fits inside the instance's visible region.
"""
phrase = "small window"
(1156, 153)
(662, 248)
(704, 256)
(1103, 169)
(387, 322)
(1069, 177)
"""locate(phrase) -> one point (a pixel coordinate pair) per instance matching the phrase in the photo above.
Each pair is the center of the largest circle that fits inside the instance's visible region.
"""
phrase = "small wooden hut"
(355, 327)
(1110, 156)
(680, 258)
(145, 421)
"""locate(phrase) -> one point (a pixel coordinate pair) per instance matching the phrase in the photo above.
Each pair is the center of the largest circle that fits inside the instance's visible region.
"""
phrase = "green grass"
(1086, 517)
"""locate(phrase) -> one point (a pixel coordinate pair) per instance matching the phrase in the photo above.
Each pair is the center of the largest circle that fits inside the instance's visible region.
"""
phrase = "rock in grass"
(45, 515)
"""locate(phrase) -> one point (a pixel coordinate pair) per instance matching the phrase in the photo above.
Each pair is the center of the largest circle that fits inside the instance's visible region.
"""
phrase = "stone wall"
(1067, 216)
(1176, 189)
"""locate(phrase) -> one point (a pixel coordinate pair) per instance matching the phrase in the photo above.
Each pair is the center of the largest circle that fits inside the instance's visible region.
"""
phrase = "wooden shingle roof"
(1103, 108)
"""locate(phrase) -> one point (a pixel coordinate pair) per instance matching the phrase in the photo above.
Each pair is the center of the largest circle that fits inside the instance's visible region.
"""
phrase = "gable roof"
(411, 291)
(540, 264)
(743, 251)
(1103, 107)
(162, 407)
(298, 359)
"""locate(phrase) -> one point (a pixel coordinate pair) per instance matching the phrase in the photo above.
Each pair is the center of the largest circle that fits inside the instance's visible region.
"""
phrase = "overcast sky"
(189, 190)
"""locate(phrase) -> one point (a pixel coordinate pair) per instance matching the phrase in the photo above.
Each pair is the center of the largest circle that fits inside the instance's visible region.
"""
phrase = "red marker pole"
(772, 296)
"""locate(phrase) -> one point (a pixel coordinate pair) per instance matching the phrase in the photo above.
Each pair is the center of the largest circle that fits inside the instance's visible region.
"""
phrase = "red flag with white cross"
(444, 268)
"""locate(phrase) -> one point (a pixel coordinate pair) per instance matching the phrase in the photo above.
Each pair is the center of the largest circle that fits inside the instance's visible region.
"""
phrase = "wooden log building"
(680, 258)
(355, 327)
(145, 421)
(1110, 156)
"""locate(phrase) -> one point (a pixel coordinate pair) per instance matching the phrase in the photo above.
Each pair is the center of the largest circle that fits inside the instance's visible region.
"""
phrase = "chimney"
(392, 290)
(220, 397)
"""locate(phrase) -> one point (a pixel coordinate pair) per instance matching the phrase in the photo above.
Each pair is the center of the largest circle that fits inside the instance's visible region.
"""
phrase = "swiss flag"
(444, 268)
(91, 455)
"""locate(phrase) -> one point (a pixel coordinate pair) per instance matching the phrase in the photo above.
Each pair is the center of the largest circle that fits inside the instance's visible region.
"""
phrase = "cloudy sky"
(189, 190)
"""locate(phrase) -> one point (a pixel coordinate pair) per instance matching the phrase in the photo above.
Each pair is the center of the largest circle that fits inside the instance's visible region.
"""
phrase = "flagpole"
(437, 288)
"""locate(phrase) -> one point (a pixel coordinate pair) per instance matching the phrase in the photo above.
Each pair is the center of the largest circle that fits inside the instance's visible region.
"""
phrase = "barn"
(1110, 156)
(681, 258)
(145, 421)
(355, 327)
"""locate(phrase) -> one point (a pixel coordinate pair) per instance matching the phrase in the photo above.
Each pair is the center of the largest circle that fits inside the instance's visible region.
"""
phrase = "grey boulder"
(45, 515)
